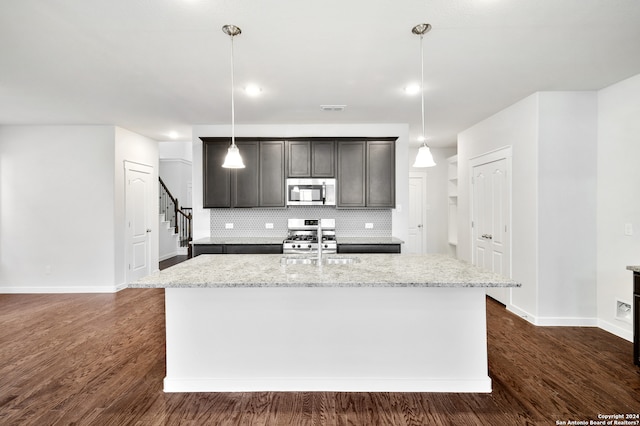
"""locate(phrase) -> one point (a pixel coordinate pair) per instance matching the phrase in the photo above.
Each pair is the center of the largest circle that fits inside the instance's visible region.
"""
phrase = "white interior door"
(416, 243)
(491, 232)
(138, 221)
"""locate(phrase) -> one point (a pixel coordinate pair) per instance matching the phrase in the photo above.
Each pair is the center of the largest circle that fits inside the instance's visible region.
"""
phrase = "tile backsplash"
(252, 222)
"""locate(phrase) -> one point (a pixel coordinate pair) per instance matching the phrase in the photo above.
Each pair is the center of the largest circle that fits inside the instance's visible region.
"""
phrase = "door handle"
(487, 236)
(149, 230)
(419, 226)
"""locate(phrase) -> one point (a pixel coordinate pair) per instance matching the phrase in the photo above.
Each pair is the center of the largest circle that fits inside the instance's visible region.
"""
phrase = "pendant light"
(233, 160)
(424, 157)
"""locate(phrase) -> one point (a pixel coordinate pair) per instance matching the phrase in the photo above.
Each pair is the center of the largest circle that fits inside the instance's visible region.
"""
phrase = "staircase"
(176, 221)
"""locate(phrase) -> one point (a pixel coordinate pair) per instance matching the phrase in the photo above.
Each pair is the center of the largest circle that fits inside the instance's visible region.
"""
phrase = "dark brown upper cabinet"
(260, 184)
(311, 158)
(351, 174)
(364, 169)
(216, 180)
(381, 174)
(271, 179)
(366, 173)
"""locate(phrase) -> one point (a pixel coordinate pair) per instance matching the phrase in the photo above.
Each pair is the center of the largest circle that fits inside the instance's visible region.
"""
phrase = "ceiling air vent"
(332, 107)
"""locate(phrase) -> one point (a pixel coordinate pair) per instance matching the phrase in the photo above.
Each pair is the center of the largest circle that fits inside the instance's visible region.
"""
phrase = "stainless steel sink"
(326, 260)
(298, 260)
(340, 260)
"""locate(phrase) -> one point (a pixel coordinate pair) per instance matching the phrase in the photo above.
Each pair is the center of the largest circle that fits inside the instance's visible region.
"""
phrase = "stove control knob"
(309, 246)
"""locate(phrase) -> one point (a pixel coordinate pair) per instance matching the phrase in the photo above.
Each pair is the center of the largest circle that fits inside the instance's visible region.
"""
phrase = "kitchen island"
(384, 322)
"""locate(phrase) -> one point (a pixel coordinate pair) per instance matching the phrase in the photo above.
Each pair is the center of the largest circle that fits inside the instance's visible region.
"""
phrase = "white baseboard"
(521, 313)
(58, 290)
(167, 256)
(616, 330)
(554, 321)
(326, 384)
(573, 322)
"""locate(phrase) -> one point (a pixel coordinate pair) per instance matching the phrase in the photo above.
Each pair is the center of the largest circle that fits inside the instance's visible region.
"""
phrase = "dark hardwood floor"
(164, 264)
(99, 359)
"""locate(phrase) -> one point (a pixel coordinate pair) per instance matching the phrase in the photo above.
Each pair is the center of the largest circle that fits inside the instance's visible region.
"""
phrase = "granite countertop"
(372, 270)
(634, 268)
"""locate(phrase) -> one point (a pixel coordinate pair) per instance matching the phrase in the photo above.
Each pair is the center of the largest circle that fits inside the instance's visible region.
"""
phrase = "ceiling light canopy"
(233, 160)
(424, 157)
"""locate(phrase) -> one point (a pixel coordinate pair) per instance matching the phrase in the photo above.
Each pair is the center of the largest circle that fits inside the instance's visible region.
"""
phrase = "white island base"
(404, 339)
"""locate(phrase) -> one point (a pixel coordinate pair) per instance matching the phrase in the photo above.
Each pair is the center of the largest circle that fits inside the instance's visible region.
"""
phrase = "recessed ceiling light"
(252, 90)
(173, 135)
(412, 89)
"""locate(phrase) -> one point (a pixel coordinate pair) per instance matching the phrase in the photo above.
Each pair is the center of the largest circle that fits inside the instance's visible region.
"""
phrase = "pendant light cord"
(233, 115)
(424, 138)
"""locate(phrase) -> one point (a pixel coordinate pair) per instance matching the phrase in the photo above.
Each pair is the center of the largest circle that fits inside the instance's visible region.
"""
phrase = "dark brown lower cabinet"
(368, 248)
(199, 249)
(636, 318)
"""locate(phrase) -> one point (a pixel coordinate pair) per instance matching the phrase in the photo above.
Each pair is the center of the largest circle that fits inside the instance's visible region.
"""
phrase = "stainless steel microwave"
(311, 192)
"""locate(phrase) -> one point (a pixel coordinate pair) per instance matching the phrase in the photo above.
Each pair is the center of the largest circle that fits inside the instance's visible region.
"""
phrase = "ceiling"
(157, 66)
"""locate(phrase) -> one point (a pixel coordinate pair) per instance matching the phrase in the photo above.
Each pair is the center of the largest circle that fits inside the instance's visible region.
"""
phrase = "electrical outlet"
(368, 225)
(228, 226)
(268, 225)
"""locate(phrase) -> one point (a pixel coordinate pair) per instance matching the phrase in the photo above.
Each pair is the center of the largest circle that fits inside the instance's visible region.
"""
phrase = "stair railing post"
(175, 213)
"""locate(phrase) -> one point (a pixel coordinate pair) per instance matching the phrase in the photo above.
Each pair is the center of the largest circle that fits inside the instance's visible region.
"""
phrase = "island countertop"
(370, 270)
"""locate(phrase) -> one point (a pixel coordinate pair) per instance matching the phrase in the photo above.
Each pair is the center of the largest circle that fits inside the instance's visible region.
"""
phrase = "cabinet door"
(299, 159)
(323, 159)
(244, 182)
(272, 192)
(381, 174)
(215, 178)
(351, 174)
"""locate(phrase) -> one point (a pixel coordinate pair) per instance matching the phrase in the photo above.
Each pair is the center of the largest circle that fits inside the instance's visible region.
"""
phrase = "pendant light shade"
(233, 160)
(424, 157)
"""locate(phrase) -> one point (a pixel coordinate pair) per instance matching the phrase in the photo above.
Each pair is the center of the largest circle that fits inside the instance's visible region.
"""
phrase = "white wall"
(567, 197)
(62, 206)
(618, 201)
(553, 136)
(176, 150)
(175, 169)
(437, 198)
(400, 215)
(516, 126)
(56, 208)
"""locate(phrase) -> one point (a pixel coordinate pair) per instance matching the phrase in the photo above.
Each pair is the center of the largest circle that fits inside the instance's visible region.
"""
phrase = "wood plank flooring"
(99, 359)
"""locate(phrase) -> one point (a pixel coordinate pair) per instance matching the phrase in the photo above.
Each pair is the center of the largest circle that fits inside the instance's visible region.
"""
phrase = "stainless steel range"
(302, 236)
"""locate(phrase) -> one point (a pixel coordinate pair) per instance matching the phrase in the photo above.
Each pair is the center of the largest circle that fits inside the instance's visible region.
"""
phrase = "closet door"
(491, 232)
